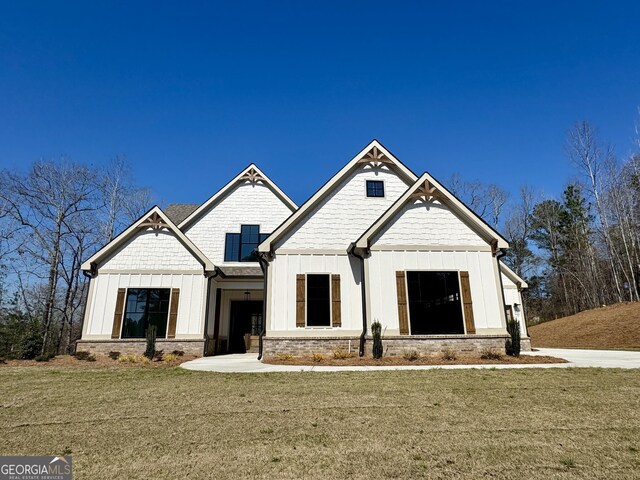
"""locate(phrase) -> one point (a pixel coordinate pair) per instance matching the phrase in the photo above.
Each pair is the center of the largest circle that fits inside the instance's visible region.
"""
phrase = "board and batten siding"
(511, 297)
(247, 204)
(282, 298)
(346, 212)
(102, 306)
(481, 265)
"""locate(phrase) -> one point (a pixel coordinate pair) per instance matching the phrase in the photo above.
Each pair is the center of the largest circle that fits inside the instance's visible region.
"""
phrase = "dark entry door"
(245, 318)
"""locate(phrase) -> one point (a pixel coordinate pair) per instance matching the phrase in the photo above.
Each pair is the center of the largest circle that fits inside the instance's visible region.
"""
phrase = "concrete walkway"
(248, 363)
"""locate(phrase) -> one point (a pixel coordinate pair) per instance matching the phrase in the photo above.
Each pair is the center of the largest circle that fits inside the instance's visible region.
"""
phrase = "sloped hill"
(614, 326)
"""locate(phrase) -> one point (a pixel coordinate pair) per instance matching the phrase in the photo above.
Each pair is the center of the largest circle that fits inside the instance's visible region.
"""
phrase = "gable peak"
(252, 174)
(154, 221)
(375, 157)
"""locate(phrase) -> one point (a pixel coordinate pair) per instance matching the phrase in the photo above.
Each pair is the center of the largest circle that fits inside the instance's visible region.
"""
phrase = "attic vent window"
(375, 188)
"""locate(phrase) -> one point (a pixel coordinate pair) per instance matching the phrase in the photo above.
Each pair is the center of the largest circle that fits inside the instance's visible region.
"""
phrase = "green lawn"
(170, 423)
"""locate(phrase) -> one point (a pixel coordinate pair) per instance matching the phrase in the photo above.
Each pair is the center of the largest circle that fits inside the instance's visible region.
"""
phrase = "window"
(434, 303)
(146, 307)
(318, 301)
(240, 247)
(375, 188)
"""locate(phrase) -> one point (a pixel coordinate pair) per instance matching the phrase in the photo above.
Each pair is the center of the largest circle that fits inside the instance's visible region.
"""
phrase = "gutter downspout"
(499, 254)
(352, 251)
(264, 265)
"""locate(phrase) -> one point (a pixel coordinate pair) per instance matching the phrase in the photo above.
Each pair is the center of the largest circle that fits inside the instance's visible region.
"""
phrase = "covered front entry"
(245, 325)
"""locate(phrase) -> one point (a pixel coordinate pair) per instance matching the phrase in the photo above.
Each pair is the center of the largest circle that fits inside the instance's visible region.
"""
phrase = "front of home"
(250, 271)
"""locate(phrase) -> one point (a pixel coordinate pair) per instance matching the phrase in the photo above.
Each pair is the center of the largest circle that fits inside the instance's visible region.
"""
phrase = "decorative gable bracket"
(251, 175)
(376, 158)
(154, 221)
(427, 192)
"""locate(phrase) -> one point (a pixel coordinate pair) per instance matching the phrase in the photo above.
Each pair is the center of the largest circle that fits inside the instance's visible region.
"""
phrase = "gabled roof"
(250, 174)
(373, 153)
(513, 276)
(428, 188)
(154, 219)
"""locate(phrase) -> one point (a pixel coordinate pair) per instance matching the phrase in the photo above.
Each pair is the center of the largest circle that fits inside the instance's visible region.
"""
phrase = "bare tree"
(44, 203)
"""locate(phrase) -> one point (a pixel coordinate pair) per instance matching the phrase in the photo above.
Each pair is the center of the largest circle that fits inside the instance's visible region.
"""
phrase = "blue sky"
(191, 92)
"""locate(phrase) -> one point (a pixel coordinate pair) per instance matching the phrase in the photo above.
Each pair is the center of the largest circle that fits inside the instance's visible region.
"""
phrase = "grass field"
(170, 423)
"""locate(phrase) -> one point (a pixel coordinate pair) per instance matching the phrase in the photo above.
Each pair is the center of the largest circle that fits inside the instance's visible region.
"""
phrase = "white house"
(376, 242)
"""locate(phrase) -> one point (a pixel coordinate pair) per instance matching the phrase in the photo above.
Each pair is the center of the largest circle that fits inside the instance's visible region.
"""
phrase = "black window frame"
(142, 309)
(316, 304)
(448, 309)
(375, 188)
(240, 247)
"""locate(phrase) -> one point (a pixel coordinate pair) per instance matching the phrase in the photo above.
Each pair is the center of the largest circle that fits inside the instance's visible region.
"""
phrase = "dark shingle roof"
(240, 271)
(177, 212)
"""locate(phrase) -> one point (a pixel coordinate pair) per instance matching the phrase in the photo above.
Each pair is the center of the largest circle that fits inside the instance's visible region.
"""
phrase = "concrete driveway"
(248, 363)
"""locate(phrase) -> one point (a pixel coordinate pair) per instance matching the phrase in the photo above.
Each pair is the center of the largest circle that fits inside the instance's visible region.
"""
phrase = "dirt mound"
(614, 327)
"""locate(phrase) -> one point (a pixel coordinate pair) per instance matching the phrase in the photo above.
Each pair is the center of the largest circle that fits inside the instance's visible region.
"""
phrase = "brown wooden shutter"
(403, 313)
(300, 303)
(336, 313)
(117, 317)
(466, 302)
(173, 312)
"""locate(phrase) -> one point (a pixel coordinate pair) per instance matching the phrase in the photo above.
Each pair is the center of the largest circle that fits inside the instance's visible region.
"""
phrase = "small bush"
(151, 342)
(285, 356)
(31, 343)
(133, 359)
(411, 356)
(114, 355)
(3, 360)
(317, 357)
(341, 354)
(82, 355)
(169, 357)
(44, 358)
(449, 355)
(513, 344)
(157, 356)
(376, 332)
(490, 354)
(178, 353)
(91, 358)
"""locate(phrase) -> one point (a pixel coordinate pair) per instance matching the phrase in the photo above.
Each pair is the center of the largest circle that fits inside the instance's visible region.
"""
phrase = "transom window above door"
(240, 247)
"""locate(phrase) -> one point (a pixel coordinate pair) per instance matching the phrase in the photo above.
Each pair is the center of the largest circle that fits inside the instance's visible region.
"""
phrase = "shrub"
(376, 332)
(169, 357)
(513, 343)
(42, 358)
(82, 355)
(31, 343)
(490, 354)
(133, 359)
(177, 353)
(3, 360)
(411, 355)
(285, 356)
(448, 354)
(317, 357)
(114, 355)
(91, 358)
(151, 342)
(341, 354)
(158, 355)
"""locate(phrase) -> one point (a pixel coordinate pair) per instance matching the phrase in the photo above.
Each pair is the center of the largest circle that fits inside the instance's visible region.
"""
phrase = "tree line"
(53, 216)
(577, 251)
